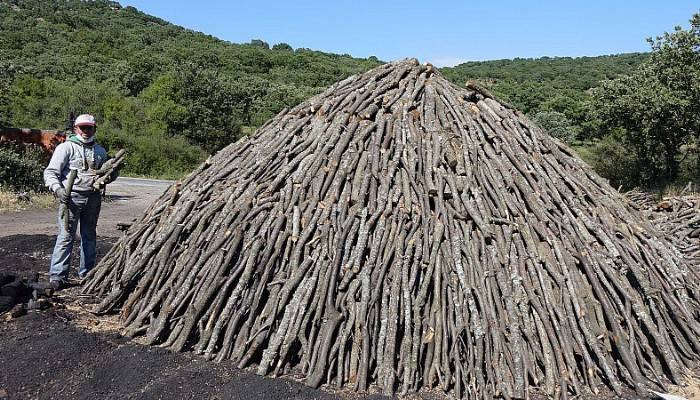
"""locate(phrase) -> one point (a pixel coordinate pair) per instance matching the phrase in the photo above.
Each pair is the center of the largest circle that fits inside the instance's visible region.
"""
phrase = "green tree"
(610, 157)
(9, 69)
(37, 102)
(260, 43)
(21, 169)
(197, 103)
(135, 75)
(282, 47)
(657, 106)
(556, 124)
(167, 94)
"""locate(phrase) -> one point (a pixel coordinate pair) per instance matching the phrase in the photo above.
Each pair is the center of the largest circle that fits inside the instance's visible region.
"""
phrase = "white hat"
(85, 119)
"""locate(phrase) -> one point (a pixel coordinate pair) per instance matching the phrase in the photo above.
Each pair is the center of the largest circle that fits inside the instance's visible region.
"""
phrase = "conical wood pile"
(399, 231)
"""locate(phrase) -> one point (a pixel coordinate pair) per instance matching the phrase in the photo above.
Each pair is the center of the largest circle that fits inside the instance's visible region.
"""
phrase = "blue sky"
(442, 32)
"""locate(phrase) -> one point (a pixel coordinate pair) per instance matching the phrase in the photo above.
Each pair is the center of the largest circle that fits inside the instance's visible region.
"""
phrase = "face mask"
(79, 134)
(88, 140)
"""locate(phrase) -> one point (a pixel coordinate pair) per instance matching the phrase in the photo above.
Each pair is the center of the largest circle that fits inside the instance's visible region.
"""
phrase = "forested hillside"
(559, 72)
(551, 90)
(148, 81)
(171, 95)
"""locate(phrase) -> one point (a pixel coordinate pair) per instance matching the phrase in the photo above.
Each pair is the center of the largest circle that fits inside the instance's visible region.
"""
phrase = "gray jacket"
(70, 155)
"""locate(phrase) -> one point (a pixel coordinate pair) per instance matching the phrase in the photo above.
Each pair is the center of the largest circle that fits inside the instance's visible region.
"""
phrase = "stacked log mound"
(399, 232)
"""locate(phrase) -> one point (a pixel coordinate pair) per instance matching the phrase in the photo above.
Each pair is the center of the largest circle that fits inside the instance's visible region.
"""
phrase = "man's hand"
(62, 195)
(113, 176)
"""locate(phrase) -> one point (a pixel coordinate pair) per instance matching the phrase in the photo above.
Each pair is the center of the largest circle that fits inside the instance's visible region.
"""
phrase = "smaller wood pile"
(19, 294)
(676, 216)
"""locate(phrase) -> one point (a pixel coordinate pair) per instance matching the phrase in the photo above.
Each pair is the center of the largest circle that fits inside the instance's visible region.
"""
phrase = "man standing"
(82, 154)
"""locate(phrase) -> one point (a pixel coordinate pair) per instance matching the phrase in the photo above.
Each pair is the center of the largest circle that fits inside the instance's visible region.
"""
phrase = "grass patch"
(11, 200)
(678, 189)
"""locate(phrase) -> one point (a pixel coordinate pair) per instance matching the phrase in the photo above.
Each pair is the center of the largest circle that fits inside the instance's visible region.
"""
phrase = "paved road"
(126, 199)
(141, 182)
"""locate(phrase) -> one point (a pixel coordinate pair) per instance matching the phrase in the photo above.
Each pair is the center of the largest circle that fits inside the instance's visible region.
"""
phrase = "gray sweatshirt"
(70, 155)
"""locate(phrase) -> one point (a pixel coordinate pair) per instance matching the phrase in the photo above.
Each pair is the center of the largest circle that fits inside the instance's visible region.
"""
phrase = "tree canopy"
(656, 107)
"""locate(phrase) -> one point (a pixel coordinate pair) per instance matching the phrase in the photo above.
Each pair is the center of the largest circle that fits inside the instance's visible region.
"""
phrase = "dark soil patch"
(24, 255)
(46, 357)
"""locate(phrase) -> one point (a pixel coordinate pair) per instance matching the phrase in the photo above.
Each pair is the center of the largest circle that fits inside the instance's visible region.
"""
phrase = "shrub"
(153, 154)
(556, 124)
(21, 168)
(613, 161)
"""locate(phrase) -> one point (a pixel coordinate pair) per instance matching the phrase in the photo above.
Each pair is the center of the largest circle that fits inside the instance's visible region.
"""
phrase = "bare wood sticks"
(402, 233)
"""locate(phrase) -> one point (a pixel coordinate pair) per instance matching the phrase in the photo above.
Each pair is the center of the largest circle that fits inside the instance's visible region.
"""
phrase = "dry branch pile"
(677, 217)
(399, 231)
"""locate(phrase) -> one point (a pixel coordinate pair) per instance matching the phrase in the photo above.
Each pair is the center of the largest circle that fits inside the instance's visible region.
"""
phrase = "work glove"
(62, 195)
